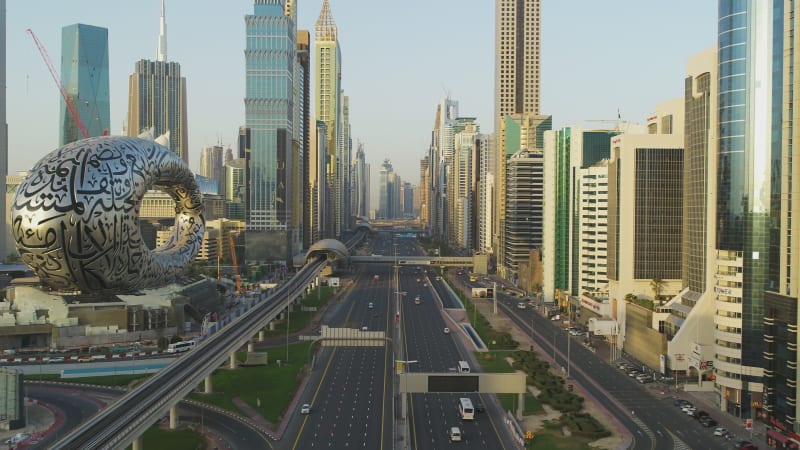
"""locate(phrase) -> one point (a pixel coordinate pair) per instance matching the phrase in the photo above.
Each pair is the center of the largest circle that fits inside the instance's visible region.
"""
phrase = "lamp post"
(402, 369)
(288, 306)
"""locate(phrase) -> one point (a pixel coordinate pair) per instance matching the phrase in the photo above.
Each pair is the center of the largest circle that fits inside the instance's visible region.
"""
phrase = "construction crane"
(236, 275)
(72, 110)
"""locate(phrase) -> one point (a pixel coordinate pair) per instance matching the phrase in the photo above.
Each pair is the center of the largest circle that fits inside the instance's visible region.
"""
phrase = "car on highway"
(446, 330)
(521, 305)
(305, 409)
(417, 300)
(370, 306)
(55, 359)
(455, 434)
(479, 408)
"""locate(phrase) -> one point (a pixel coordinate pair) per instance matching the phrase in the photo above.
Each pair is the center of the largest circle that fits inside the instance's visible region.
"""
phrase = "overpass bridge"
(448, 261)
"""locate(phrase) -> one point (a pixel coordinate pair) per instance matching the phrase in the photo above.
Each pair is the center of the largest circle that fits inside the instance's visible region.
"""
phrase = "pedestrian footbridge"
(449, 261)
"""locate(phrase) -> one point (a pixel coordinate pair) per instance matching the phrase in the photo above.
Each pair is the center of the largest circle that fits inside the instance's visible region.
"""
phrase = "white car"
(720, 431)
(521, 305)
(446, 330)
(455, 434)
(305, 409)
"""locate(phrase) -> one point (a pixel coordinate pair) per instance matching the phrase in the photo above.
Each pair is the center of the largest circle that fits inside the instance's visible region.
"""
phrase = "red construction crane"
(72, 110)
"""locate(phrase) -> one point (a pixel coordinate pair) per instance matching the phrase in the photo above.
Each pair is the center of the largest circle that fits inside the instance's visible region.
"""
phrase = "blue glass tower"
(84, 75)
(269, 60)
(751, 137)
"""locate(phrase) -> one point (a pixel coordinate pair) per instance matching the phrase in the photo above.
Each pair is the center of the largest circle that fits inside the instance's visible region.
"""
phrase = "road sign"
(748, 424)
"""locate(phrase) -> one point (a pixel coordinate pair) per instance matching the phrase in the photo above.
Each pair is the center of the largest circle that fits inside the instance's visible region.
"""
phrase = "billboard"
(482, 292)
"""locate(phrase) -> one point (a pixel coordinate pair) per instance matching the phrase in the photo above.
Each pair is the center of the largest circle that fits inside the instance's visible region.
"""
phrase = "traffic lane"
(653, 421)
(348, 410)
(431, 415)
(73, 407)
(78, 403)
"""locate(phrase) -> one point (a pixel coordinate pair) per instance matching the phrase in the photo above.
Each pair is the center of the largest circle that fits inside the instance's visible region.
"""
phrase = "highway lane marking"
(322, 379)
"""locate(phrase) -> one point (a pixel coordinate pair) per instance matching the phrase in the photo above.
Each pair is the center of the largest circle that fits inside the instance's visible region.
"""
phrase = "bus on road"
(180, 347)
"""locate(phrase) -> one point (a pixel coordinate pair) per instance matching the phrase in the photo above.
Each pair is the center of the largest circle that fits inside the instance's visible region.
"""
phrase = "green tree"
(163, 343)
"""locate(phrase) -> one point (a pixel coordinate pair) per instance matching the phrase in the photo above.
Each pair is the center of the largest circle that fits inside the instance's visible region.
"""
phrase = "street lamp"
(401, 369)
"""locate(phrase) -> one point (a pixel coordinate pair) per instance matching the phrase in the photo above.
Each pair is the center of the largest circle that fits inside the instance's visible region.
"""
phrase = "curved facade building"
(755, 92)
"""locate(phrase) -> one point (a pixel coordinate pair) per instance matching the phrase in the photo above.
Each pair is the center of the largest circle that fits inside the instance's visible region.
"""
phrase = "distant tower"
(211, 165)
(161, 53)
(328, 108)
(84, 75)
(157, 97)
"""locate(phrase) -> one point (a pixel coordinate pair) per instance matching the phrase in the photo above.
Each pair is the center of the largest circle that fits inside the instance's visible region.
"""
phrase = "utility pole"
(494, 294)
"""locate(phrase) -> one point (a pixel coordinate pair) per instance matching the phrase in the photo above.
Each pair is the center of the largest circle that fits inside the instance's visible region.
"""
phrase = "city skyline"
(624, 77)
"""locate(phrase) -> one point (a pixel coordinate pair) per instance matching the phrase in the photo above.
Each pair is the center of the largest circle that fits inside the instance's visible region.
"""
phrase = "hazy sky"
(399, 60)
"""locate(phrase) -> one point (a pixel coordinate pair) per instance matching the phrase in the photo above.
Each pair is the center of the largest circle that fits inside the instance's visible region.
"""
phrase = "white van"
(465, 409)
(463, 367)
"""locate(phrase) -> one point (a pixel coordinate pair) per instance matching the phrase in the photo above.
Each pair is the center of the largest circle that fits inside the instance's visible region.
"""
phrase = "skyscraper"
(211, 165)
(386, 206)
(302, 141)
(360, 183)
(157, 97)
(328, 107)
(520, 132)
(84, 75)
(757, 202)
(516, 77)
(517, 44)
(270, 56)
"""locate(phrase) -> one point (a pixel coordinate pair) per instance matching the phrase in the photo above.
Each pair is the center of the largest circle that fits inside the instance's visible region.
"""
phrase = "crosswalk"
(679, 444)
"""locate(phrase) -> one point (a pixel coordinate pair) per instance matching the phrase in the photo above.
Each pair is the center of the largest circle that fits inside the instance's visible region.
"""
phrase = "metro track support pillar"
(232, 361)
(173, 417)
(208, 386)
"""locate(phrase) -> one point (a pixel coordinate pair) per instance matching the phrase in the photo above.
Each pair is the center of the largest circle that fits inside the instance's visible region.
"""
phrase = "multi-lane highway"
(351, 401)
(425, 341)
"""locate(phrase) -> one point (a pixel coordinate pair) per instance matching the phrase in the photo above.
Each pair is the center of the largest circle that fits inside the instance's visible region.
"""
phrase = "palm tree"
(656, 284)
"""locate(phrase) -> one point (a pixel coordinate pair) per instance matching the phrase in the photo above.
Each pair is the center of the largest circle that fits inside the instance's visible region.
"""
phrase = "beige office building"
(645, 215)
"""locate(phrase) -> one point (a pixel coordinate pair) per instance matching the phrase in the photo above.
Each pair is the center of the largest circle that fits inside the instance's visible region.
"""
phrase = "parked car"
(721, 431)
(700, 414)
(708, 422)
(680, 402)
(645, 379)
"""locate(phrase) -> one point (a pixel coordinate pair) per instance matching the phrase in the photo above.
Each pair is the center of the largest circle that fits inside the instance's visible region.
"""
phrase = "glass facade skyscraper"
(755, 84)
(84, 75)
(269, 59)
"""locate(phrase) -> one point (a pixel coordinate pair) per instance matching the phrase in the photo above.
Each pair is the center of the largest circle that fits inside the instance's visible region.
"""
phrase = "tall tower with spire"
(328, 107)
(157, 97)
(161, 54)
